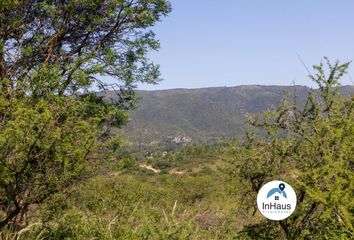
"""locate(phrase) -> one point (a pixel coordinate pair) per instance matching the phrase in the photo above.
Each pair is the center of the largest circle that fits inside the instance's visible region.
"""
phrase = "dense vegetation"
(208, 192)
(311, 148)
(65, 176)
(52, 128)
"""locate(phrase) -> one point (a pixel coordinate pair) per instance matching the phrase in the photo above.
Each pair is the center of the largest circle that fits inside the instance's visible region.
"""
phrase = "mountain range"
(204, 115)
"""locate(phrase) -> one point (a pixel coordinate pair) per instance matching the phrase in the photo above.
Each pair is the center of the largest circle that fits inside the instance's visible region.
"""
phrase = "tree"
(53, 54)
(310, 147)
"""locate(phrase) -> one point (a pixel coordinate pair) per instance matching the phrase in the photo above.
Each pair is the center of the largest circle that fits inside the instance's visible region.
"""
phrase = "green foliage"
(131, 204)
(78, 40)
(312, 149)
(138, 206)
(45, 145)
(52, 129)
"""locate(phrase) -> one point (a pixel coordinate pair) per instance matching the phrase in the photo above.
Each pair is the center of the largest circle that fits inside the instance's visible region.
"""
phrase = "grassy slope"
(137, 204)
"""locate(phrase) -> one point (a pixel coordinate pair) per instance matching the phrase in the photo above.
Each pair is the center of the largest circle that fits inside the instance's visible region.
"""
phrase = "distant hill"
(179, 116)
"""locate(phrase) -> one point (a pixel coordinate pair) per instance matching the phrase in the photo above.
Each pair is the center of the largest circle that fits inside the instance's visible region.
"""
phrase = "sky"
(207, 43)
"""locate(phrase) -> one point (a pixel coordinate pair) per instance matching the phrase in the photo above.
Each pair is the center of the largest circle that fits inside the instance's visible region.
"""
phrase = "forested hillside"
(207, 115)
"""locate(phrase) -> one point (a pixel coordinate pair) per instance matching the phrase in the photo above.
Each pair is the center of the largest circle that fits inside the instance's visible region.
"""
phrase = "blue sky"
(208, 43)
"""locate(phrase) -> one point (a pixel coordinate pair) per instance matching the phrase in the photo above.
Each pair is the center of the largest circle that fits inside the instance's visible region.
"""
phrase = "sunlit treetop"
(75, 42)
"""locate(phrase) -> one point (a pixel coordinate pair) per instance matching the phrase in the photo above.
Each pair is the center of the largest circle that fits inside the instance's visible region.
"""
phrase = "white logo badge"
(276, 200)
